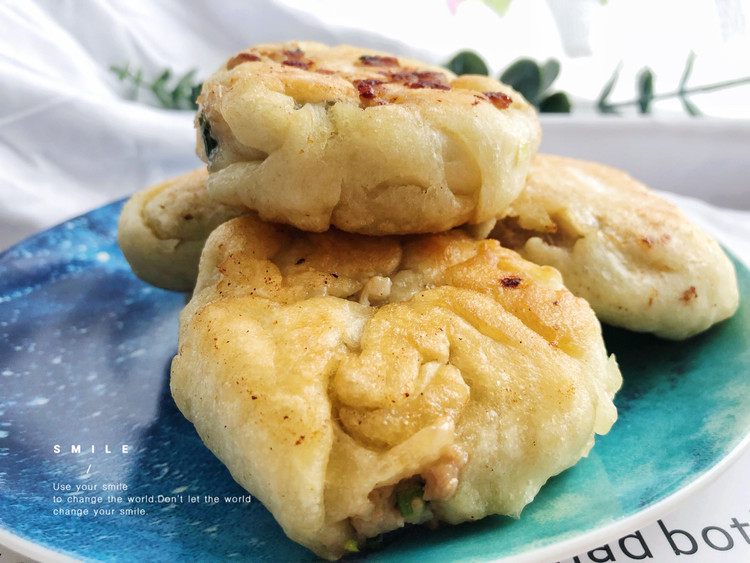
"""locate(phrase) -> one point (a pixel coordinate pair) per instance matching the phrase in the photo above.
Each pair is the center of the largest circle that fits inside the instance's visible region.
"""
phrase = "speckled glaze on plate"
(85, 349)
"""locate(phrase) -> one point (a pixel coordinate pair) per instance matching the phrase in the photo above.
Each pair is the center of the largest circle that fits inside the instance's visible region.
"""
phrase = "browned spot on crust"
(294, 54)
(297, 63)
(499, 99)
(510, 281)
(289, 57)
(366, 87)
(651, 241)
(421, 79)
(689, 294)
(373, 91)
(377, 60)
(242, 58)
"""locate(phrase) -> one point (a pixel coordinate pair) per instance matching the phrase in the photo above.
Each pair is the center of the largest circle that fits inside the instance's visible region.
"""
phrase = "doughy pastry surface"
(316, 136)
(162, 229)
(632, 255)
(329, 371)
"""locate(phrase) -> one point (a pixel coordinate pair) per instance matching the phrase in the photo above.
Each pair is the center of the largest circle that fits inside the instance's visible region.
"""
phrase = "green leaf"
(525, 76)
(556, 103)
(500, 7)
(690, 107)
(161, 91)
(602, 104)
(550, 70)
(468, 62)
(182, 95)
(686, 72)
(196, 92)
(645, 90)
(122, 72)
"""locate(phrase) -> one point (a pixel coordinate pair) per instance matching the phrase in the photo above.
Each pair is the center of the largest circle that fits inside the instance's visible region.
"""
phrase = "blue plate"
(85, 349)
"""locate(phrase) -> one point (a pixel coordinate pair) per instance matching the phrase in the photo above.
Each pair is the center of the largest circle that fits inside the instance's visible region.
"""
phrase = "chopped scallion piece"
(405, 499)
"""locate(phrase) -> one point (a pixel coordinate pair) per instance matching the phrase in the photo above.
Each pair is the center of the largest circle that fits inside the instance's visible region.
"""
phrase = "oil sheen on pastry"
(354, 384)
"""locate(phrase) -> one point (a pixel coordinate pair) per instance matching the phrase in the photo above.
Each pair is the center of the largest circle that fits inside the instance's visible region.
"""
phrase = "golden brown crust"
(162, 229)
(633, 255)
(317, 136)
(326, 370)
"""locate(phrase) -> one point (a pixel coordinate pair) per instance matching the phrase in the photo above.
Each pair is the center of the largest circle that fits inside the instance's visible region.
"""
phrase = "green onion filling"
(409, 498)
(209, 143)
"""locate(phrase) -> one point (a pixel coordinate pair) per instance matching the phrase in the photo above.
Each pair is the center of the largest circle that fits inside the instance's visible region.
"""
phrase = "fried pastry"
(316, 136)
(631, 254)
(162, 229)
(354, 384)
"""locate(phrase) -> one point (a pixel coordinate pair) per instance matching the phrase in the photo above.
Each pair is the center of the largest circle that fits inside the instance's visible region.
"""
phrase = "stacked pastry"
(394, 317)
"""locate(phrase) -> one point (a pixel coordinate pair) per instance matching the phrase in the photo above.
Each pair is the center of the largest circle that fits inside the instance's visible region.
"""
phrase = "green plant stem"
(136, 79)
(685, 91)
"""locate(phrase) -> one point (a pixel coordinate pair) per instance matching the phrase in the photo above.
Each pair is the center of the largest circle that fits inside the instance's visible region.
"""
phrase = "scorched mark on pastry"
(376, 90)
(689, 294)
(366, 87)
(377, 60)
(499, 99)
(510, 281)
(242, 58)
(421, 79)
(295, 63)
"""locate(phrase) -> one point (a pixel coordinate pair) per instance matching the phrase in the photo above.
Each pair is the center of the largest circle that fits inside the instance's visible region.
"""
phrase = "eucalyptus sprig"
(647, 96)
(182, 95)
(532, 79)
(467, 62)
